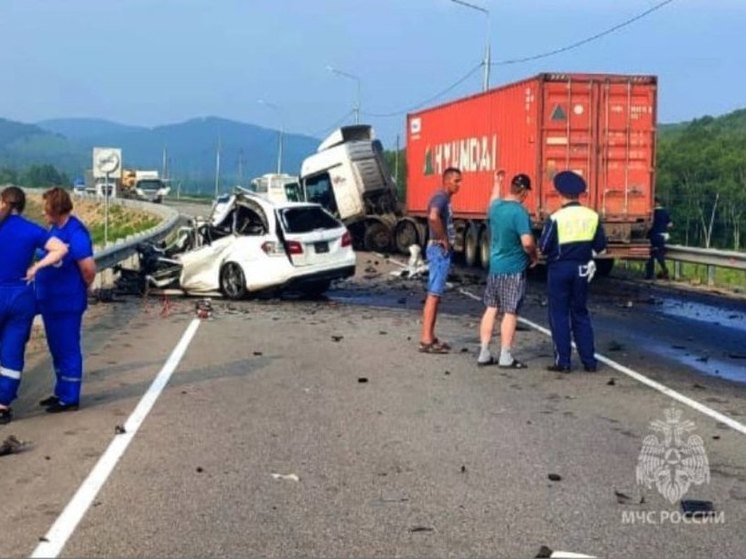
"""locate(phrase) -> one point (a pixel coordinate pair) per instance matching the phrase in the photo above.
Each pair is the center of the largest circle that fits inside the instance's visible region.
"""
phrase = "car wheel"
(233, 281)
(316, 288)
(377, 237)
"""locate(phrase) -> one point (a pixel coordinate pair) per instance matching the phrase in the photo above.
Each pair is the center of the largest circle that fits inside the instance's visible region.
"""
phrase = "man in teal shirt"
(512, 251)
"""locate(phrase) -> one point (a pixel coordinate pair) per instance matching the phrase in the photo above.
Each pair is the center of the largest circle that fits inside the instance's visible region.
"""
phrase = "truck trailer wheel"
(377, 237)
(484, 248)
(405, 236)
(471, 246)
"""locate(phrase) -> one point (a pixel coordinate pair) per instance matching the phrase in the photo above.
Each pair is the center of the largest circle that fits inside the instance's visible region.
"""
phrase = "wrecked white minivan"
(249, 244)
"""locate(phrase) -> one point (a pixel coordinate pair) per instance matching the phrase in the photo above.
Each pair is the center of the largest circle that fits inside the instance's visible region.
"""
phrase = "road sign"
(107, 163)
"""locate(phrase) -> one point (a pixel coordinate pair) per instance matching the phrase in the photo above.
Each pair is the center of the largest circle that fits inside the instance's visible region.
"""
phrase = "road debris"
(554, 477)
(337, 338)
(203, 308)
(362, 380)
(692, 507)
(286, 477)
(612, 382)
(11, 445)
(120, 430)
(415, 529)
(622, 498)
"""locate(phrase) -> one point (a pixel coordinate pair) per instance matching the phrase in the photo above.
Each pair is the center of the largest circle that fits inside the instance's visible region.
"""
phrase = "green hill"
(191, 147)
(701, 174)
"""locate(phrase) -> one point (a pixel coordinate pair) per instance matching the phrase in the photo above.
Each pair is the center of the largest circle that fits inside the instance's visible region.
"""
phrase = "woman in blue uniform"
(62, 295)
(19, 241)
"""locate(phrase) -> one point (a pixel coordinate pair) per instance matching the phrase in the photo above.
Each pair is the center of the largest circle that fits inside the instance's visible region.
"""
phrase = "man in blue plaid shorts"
(512, 251)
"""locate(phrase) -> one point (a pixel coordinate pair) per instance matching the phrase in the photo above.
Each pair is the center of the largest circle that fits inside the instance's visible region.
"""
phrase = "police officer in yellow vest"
(570, 237)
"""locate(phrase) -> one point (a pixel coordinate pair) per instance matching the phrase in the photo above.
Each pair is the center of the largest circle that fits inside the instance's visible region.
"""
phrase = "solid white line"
(732, 423)
(56, 538)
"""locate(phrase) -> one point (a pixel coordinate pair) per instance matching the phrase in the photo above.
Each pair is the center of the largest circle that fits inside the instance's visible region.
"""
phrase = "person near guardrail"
(19, 241)
(62, 295)
(658, 236)
(570, 237)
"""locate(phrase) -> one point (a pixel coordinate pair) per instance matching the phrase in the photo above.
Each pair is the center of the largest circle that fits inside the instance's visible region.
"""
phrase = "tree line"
(701, 176)
(34, 176)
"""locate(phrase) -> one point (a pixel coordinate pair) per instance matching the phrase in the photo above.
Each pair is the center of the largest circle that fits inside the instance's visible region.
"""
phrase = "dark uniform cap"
(569, 183)
(522, 180)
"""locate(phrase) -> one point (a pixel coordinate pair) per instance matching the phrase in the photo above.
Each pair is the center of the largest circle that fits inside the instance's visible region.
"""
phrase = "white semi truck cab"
(349, 176)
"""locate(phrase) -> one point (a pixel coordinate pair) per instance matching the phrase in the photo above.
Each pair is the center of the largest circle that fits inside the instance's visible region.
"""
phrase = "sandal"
(442, 345)
(432, 347)
(514, 365)
(492, 361)
(6, 416)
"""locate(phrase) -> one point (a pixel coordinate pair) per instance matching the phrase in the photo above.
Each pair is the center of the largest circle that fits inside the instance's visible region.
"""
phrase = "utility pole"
(488, 50)
(164, 166)
(240, 166)
(217, 168)
(396, 163)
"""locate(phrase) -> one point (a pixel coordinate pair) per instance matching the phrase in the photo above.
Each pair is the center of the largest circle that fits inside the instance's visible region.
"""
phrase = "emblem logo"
(675, 460)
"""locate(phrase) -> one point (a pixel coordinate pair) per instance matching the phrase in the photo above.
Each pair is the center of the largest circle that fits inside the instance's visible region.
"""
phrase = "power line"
(332, 126)
(584, 41)
(469, 74)
(519, 60)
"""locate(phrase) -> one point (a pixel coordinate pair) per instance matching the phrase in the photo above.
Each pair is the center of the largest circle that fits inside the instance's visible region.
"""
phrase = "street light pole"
(488, 49)
(356, 108)
(282, 132)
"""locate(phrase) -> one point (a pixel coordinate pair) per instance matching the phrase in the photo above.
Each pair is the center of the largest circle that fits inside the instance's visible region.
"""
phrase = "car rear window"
(305, 220)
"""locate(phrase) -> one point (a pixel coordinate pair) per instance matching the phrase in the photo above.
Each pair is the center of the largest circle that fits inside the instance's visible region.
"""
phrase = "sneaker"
(60, 407)
(590, 368)
(51, 400)
(558, 369)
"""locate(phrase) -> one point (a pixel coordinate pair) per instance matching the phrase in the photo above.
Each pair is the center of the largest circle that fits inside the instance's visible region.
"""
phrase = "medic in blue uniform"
(19, 241)
(62, 295)
(570, 237)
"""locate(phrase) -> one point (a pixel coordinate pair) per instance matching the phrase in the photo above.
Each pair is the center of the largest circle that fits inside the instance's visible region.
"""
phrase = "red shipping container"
(600, 126)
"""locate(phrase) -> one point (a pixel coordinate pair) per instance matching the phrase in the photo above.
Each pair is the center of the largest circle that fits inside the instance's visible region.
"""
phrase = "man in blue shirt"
(439, 247)
(571, 236)
(658, 236)
(512, 251)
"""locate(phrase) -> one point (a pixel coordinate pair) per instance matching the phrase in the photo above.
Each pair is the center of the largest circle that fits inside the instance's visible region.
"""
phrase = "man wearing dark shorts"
(441, 239)
(512, 251)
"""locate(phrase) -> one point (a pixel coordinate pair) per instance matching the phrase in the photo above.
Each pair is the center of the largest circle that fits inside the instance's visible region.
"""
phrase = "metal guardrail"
(124, 248)
(708, 257)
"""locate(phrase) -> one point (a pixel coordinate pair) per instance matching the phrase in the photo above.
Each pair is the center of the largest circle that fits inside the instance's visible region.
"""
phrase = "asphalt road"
(396, 453)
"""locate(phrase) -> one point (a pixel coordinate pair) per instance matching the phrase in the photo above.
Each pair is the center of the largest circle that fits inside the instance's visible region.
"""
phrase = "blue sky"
(151, 62)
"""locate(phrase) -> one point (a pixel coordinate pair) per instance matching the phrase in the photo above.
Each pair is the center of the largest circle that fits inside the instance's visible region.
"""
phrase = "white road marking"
(716, 415)
(56, 538)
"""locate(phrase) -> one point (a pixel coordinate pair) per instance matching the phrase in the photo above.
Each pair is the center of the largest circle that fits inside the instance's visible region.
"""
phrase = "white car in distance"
(251, 244)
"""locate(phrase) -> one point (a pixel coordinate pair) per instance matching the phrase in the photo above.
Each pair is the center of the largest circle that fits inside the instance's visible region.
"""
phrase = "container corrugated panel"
(601, 126)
